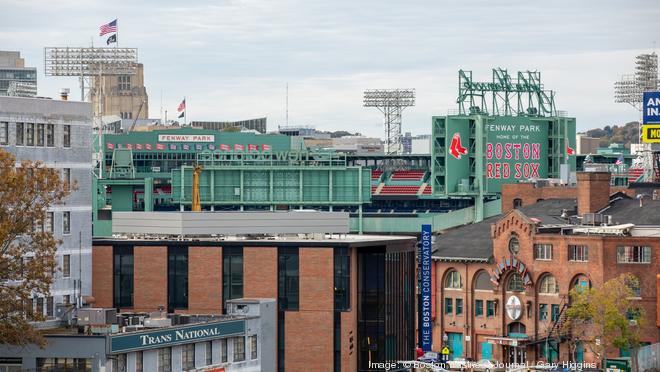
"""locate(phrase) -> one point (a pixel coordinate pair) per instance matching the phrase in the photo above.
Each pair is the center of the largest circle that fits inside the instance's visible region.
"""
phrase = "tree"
(606, 316)
(27, 246)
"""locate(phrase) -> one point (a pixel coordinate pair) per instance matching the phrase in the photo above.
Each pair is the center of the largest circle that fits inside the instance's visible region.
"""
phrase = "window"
(253, 346)
(4, 133)
(40, 135)
(165, 359)
(66, 299)
(515, 283)
(138, 361)
(124, 82)
(188, 356)
(232, 274)
(514, 245)
(483, 282)
(223, 350)
(449, 306)
(554, 312)
(40, 306)
(543, 312)
(66, 177)
(48, 222)
(66, 137)
(634, 284)
(50, 135)
(288, 278)
(20, 134)
(49, 306)
(633, 254)
(517, 203)
(177, 278)
(342, 279)
(66, 266)
(120, 363)
(208, 353)
(239, 349)
(459, 306)
(123, 276)
(548, 285)
(453, 280)
(578, 253)
(479, 308)
(66, 223)
(543, 251)
(30, 134)
(64, 364)
(490, 308)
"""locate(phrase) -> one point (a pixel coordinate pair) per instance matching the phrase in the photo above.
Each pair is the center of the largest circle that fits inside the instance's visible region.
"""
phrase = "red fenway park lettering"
(513, 151)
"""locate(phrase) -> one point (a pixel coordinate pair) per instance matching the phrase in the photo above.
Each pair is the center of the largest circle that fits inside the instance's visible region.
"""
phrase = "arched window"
(453, 280)
(516, 329)
(548, 285)
(581, 282)
(483, 282)
(515, 283)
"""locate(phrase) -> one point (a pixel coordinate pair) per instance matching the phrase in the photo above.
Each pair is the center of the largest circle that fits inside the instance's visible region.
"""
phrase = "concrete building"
(258, 124)
(12, 69)
(586, 145)
(503, 284)
(343, 300)
(121, 95)
(58, 133)
(243, 340)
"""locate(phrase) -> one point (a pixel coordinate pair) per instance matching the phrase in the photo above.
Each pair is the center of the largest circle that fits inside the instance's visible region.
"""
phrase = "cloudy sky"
(233, 58)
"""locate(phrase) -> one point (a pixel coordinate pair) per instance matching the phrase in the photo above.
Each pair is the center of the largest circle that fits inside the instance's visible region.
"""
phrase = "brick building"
(342, 300)
(503, 284)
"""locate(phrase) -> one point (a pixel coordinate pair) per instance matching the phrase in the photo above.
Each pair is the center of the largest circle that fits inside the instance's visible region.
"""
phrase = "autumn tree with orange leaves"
(27, 249)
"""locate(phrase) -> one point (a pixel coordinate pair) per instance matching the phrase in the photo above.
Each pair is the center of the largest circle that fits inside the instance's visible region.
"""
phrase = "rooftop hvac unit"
(89, 316)
(157, 322)
(592, 219)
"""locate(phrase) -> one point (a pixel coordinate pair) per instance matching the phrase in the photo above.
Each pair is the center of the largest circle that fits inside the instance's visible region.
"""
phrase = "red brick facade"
(205, 288)
(150, 278)
(102, 276)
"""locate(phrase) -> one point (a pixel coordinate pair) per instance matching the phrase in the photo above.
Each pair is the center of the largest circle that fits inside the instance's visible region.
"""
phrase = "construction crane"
(137, 116)
(196, 203)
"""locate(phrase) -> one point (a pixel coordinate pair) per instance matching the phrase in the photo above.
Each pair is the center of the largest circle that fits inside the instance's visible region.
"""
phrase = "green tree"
(606, 316)
(27, 249)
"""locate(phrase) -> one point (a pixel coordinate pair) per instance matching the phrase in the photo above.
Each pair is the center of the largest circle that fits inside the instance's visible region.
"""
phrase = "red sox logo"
(455, 148)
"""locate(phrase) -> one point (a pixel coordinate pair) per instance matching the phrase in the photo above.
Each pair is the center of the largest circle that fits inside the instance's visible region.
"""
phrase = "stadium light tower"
(391, 102)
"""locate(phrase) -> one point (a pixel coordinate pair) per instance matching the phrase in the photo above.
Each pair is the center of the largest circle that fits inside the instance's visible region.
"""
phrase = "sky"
(232, 59)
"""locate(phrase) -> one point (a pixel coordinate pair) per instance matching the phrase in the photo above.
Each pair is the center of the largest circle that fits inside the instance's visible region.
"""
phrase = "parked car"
(486, 365)
(458, 364)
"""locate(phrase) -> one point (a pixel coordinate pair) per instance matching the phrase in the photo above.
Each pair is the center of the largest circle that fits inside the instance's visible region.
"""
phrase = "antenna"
(391, 102)
(287, 103)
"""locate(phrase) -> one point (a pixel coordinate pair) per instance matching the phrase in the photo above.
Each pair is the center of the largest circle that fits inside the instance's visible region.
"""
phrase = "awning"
(509, 341)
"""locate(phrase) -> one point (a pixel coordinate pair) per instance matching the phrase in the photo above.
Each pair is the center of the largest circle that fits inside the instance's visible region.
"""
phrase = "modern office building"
(243, 340)
(58, 133)
(502, 285)
(343, 300)
(12, 69)
(258, 124)
(121, 95)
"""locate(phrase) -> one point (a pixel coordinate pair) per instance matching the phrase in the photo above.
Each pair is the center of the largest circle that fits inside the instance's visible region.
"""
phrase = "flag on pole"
(619, 161)
(112, 39)
(108, 28)
(252, 147)
(265, 147)
(182, 106)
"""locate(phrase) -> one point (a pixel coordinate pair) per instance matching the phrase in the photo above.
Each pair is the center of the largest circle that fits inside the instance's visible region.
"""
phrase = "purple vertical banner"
(425, 296)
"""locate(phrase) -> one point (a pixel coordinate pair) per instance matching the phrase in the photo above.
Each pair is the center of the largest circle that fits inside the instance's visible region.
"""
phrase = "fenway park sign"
(186, 138)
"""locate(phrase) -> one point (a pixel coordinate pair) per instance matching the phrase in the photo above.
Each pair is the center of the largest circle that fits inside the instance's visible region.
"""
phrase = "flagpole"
(185, 112)
(117, 34)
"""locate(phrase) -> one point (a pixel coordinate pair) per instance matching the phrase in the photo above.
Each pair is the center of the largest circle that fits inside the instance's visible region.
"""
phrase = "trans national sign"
(651, 108)
(425, 300)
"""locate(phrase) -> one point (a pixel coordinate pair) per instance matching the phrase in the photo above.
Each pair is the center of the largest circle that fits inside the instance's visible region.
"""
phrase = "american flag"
(182, 105)
(619, 161)
(108, 28)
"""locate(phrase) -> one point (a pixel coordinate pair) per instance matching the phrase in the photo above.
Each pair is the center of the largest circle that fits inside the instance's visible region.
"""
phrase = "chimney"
(593, 191)
(64, 94)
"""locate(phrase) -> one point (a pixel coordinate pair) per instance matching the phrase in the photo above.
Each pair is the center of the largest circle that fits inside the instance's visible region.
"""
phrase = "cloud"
(233, 58)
